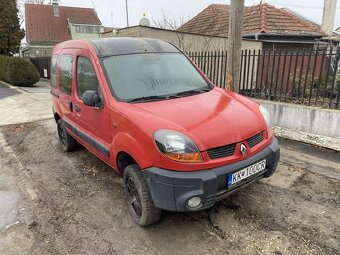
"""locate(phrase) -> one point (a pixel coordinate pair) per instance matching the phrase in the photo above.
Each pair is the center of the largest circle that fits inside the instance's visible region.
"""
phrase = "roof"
(261, 18)
(156, 28)
(108, 29)
(114, 46)
(42, 26)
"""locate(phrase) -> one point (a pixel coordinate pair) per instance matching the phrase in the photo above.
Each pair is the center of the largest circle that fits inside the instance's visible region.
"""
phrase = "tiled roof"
(42, 26)
(261, 18)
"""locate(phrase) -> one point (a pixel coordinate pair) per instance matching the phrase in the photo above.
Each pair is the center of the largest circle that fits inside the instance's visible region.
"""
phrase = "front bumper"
(170, 190)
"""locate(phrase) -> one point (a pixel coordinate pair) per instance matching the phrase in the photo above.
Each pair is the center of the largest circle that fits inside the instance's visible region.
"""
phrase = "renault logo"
(243, 149)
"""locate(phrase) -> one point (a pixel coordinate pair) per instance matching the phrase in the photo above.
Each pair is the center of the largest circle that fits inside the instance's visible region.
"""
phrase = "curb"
(304, 137)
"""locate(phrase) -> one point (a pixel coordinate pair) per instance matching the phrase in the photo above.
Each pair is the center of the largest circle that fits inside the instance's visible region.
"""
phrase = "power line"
(300, 6)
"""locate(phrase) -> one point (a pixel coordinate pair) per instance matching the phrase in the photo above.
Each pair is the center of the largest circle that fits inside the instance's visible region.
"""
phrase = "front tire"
(138, 197)
(67, 142)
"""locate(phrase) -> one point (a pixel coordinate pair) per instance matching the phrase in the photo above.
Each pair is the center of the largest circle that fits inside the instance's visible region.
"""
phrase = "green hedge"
(18, 71)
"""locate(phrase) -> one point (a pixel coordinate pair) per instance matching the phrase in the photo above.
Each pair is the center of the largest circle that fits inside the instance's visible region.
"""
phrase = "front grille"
(221, 152)
(254, 140)
(229, 150)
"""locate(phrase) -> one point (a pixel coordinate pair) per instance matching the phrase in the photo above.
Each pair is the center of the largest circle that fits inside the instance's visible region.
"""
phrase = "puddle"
(8, 204)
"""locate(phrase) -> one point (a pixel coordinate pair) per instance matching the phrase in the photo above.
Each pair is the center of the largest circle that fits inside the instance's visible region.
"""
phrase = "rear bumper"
(170, 190)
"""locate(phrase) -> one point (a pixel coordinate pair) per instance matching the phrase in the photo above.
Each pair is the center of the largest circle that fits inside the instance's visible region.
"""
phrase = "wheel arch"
(56, 117)
(56, 112)
(129, 150)
(123, 160)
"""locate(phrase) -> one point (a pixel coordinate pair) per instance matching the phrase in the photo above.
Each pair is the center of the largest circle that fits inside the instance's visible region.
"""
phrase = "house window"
(83, 29)
(80, 29)
(90, 30)
(86, 76)
(54, 66)
(65, 80)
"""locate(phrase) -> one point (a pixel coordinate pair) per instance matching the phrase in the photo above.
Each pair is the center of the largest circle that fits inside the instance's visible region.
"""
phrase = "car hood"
(211, 119)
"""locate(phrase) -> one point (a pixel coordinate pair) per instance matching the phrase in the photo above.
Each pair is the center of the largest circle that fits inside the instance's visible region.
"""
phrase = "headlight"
(177, 146)
(266, 116)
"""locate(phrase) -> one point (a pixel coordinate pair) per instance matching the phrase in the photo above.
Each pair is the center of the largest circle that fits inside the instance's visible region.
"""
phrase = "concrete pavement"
(24, 104)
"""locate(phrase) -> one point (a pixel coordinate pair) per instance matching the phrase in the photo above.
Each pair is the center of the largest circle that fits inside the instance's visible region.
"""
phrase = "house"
(277, 28)
(47, 25)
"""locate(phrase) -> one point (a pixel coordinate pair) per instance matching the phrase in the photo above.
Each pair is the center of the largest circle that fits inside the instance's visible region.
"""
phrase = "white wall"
(185, 41)
(306, 124)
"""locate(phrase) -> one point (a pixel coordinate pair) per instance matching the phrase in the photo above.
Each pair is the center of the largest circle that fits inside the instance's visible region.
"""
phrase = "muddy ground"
(57, 203)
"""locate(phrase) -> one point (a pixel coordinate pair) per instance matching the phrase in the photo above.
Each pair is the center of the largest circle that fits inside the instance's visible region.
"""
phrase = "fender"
(124, 142)
(56, 109)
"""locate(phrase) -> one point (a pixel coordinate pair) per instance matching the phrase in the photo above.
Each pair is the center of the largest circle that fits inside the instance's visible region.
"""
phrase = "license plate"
(246, 172)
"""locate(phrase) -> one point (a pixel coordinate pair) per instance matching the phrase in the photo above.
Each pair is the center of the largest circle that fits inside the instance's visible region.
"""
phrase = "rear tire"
(67, 142)
(138, 197)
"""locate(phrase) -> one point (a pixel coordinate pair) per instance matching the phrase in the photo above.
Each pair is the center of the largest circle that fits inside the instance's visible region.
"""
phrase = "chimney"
(55, 6)
(328, 17)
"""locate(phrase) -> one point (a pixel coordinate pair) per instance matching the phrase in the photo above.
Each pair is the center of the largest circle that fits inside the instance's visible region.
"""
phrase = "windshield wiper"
(148, 98)
(192, 92)
(165, 97)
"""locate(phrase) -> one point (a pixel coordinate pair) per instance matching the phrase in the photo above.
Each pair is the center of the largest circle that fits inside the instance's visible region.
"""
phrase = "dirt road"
(57, 203)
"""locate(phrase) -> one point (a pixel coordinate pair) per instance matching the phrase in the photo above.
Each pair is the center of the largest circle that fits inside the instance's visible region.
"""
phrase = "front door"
(93, 122)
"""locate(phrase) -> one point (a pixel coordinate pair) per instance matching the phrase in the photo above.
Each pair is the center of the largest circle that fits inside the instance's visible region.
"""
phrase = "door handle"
(77, 108)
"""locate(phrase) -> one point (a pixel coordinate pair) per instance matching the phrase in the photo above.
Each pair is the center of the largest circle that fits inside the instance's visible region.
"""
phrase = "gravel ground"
(74, 204)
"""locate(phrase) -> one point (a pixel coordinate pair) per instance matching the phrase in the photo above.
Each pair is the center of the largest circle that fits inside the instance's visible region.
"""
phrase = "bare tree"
(36, 1)
(21, 3)
(21, 7)
(169, 22)
(173, 23)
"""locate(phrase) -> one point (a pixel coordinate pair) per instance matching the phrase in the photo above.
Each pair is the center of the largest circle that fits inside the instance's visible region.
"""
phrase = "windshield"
(151, 75)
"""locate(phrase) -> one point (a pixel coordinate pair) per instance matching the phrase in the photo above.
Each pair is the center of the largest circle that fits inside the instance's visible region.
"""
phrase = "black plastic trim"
(170, 190)
(87, 138)
(54, 93)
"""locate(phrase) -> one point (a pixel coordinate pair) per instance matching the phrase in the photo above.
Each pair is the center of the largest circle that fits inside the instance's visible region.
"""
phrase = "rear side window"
(65, 80)
(54, 66)
(86, 76)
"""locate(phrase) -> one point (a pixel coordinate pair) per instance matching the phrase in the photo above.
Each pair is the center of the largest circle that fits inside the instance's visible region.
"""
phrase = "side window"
(65, 80)
(54, 66)
(86, 76)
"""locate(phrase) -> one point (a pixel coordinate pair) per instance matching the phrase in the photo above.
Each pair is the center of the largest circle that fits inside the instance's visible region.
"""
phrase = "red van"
(144, 108)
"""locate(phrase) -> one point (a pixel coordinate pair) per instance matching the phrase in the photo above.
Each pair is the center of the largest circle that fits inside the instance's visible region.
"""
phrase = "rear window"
(65, 80)
(54, 66)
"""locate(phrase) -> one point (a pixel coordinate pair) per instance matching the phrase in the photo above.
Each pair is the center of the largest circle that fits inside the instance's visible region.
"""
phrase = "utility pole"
(127, 13)
(328, 16)
(235, 44)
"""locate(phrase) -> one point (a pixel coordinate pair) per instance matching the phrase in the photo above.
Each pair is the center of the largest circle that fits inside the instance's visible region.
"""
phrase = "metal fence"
(43, 65)
(308, 77)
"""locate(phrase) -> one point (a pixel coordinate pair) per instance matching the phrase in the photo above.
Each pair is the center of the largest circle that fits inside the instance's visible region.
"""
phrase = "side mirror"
(91, 98)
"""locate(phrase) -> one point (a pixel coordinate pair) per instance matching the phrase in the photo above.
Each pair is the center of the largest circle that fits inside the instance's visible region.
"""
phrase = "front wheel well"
(56, 117)
(123, 160)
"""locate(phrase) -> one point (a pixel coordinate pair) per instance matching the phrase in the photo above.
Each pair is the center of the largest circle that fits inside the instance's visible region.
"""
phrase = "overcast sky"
(311, 9)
